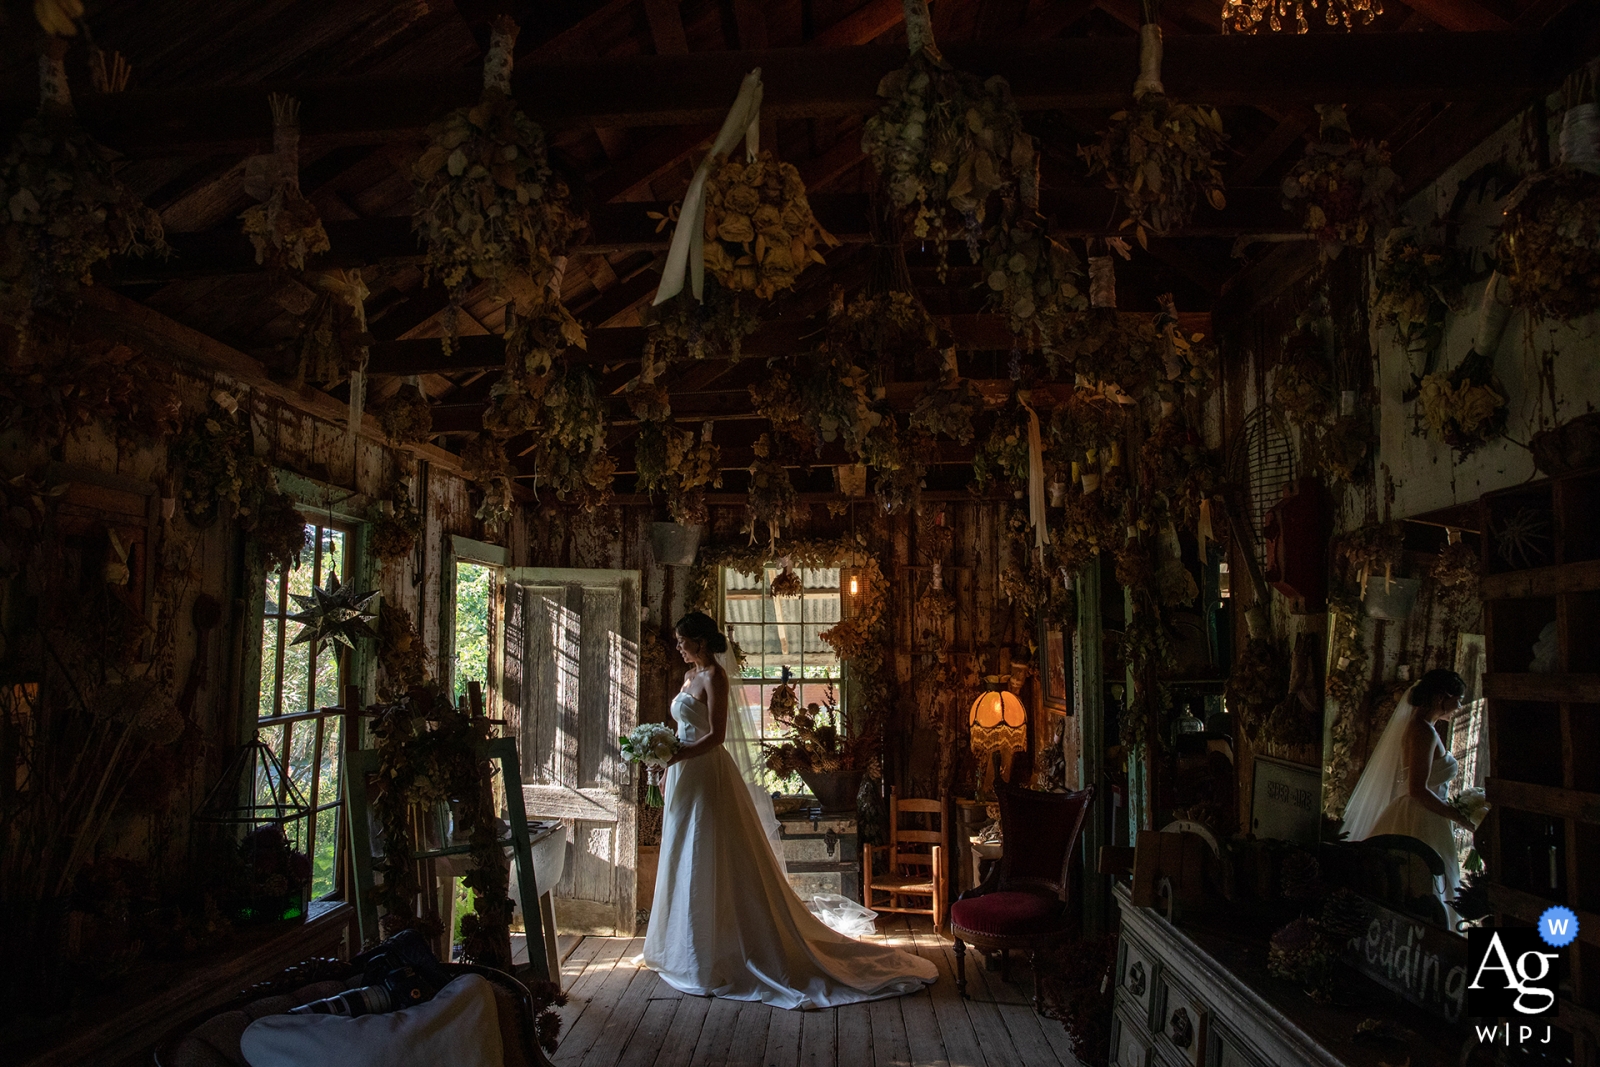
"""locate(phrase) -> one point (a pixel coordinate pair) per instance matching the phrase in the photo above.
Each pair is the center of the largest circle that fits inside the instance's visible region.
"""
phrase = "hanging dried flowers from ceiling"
(484, 463)
(62, 208)
(1121, 354)
(407, 417)
(538, 330)
(786, 584)
(900, 459)
(488, 206)
(759, 230)
(562, 411)
(712, 328)
(1344, 189)
(1036, 280)
(946, 408)
(1416, 282)
(772, 503)
(777, 399)
(1003, 456)
(890, 328)
(943, 141)
(1159, 157)
(397, 526)
(680, 464)
(285, 227)
(59, 384)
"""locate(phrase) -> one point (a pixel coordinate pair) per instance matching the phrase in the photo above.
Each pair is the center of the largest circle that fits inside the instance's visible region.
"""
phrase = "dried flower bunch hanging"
(332, 338)
(1416, 282)
(712, 328)
(536, 335)
(943, 141)
(882, 329)
(397, 527)
(58, 385)
(488, 206)
(1344, 189)
(1157, 156)
(62, 207)
(1003, 456)
(900, 459)
(1302, 392)
(772, 503)
(224, 478)
(946, 409)
(680, 464)
(407, 417)
(1109, 350)
(285, 227)
(820, 738)
(759, 230)
(786, 584)
(484, 462)
(1036, 280)
(777, 398)
(1467, 406)
(569, 438)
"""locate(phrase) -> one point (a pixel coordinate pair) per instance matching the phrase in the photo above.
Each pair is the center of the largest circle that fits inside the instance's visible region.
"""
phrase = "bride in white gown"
(724, 921)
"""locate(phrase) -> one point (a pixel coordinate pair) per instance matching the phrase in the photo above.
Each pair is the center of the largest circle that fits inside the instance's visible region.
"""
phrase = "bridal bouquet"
(652, 744)
(1472, 803)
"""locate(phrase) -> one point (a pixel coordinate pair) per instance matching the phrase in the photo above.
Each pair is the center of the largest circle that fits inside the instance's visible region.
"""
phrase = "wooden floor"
(621, 1014)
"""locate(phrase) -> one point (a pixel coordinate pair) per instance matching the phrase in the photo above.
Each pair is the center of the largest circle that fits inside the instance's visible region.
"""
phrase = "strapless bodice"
(1442, 769)
(693, 716)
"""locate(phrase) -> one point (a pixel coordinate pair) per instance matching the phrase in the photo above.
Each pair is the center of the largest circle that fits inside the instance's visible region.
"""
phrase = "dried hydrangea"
(942, 143)
(1037, 281)
(569, 437)
(487, 206)
(1550, 244)
(1160, 158)
(1466, 407)
(776, 398)
(900, 460)
(947, 409)
(1344, 189)
(759, 230)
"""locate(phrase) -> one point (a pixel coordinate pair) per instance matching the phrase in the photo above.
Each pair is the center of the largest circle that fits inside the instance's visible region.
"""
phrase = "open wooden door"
(572, 667)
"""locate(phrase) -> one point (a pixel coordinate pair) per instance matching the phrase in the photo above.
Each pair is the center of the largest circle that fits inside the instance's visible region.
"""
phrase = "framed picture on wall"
(1054, 671)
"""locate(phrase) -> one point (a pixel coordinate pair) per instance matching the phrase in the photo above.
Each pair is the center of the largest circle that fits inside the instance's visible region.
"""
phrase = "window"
(777, 635)
(473, 625)
(297, 681)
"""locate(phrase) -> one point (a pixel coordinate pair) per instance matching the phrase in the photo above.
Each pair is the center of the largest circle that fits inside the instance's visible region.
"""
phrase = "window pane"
(269, 665)
(324, 860)
(303, 740)
(327, 693)
(296, 675)
(473, 591)
(265, 794)
(328, 784)
(300, 577)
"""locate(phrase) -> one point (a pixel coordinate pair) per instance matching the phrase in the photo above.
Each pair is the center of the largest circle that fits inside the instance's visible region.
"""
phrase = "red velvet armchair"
(1023, 902)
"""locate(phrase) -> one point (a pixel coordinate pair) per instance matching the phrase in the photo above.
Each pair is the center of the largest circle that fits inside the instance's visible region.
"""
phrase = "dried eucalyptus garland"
(1159, 157)
(1036, 280)
(488, 206)
(943, 142)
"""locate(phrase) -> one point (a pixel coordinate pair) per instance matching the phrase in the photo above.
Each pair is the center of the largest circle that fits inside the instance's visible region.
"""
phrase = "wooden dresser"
(1198, 995)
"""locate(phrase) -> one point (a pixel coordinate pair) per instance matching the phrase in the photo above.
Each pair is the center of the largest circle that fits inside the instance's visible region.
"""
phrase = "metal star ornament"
(336, 613)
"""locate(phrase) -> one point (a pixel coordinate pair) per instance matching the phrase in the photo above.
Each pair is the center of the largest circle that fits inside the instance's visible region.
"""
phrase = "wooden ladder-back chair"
(916, 863)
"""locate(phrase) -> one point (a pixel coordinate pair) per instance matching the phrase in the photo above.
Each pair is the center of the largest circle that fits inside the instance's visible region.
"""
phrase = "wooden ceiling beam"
(1460, 16)
(697, 88)
(623, 344)
(628, 227)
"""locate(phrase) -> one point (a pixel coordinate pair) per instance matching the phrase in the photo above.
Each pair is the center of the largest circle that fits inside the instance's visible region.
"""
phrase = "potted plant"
(823, 749)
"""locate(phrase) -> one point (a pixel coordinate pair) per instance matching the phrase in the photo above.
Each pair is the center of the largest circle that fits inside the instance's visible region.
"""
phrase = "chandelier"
(1246, 16)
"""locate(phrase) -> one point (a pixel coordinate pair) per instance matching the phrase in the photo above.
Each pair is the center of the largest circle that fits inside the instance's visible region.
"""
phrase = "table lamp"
(998, 721)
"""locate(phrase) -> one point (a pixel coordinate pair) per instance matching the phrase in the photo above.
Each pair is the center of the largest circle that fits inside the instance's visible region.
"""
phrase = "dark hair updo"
(1436, 684)
(698, 626)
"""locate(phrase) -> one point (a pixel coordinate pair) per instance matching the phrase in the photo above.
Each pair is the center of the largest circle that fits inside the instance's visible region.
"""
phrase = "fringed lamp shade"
(999, 725)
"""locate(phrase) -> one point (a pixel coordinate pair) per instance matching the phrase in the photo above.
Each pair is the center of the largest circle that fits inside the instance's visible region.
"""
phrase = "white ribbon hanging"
(1036, 491)
(686, 255)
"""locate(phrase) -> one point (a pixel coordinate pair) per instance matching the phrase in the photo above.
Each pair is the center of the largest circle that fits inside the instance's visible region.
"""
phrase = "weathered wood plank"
(1014, 1006)
(591, 998)
(960, 1040)
(783, 1038)
(1528, 908)
(818, 1039)
(716, 1037)
(683, 1038)
(1555, 688)
(750, 1036)
(628, 1010)
(1545, 800)
(1581, 577)
(644, 1044)
(890, 1048)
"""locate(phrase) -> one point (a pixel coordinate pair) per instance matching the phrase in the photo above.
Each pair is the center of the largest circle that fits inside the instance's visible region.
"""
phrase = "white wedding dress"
(725, 922)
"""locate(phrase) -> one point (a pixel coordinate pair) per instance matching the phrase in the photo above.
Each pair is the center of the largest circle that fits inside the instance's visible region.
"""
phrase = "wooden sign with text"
(1425, 964)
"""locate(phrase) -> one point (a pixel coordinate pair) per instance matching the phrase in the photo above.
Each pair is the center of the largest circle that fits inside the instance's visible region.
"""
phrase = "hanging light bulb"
(855, 586)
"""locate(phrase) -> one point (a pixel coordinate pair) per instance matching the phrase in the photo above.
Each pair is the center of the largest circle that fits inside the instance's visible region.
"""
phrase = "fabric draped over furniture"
(1024, 902)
